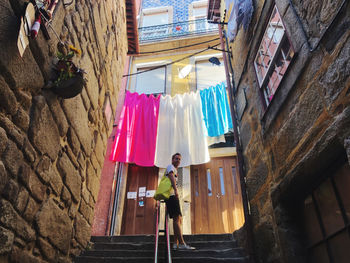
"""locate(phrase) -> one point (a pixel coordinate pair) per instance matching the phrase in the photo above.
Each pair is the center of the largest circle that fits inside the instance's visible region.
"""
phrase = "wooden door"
(216, 205)
(139, 213)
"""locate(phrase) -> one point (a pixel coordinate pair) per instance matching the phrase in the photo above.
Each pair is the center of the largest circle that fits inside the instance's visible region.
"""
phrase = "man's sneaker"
(175, 246)
(185, 247)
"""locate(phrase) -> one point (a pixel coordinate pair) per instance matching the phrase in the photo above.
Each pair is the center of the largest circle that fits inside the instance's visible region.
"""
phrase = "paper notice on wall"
(142, 191)
(150, 193)
(132, 195)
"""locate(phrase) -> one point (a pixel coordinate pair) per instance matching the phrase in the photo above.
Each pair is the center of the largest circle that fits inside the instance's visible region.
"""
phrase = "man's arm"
(173, 183)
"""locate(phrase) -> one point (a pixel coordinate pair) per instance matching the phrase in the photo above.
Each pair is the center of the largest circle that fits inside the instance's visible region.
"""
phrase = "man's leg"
(177, 221)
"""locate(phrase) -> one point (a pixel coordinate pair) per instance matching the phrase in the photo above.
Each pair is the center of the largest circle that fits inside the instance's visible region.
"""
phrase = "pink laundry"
(136, 135)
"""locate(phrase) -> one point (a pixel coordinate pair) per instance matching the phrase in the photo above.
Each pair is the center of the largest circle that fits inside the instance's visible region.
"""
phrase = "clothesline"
(151, 129)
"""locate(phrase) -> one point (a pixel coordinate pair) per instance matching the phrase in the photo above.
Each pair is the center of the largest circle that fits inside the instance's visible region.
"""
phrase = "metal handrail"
(166, 232)
(175, 30)
(157, 232)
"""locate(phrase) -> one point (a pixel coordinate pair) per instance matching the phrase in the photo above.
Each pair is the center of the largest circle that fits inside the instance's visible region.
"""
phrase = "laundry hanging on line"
(151, 130)
(216, 110)
(181, 129)
(135, 139)
(241, 14)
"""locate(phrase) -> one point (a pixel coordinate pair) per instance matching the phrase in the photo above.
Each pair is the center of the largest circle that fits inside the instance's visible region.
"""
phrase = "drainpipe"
(240, 160)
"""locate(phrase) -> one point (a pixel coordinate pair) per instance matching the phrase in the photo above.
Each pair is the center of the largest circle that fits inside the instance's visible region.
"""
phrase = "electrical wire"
(175, 61)
(169, 49)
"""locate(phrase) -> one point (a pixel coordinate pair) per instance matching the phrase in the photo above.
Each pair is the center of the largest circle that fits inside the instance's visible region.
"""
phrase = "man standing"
(173, 204)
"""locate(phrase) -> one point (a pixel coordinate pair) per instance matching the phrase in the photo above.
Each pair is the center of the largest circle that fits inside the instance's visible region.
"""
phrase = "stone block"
(66, 196)
(43, 129)
(86, 99)
(49, 175)
(70, 176)
(10, 219)
(47, 250)
(72, 157)
(73, 141)
(11, 63)
(100, 150)
(23, 256)
(29, 151)
(81, 161)
(3, 140)
(256, 178)
(32, 182)
(57, 112)
(12, 153)
(92, 181)
(92, 86)
(94, 161)
(82, 230)
(54, 224)
(22, 200)
(8, 100)
(11, 190)
(3, 177)
(77, 117)
(265, 240)
(6, 240)
(346, 145)
(21, 119)
(31, 210)
(73, 209)
(24, 98)
(86, 211)
(43, 167)
(333, 81)
(12, 131)
(77, 24)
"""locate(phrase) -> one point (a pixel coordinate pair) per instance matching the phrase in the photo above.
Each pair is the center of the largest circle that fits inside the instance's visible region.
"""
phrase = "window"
(199, 14)
(157, 20)
(208, 74)
(326, 216)
(151, 82)
(273, 57)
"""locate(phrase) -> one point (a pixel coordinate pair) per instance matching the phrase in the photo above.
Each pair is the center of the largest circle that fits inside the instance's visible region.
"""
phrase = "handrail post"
(166, 225)
(157, 232)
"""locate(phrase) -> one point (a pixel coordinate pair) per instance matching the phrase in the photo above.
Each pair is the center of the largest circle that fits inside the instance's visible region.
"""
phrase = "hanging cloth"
(216, 110)
(136, 135)
(181, 129)
(241, 14)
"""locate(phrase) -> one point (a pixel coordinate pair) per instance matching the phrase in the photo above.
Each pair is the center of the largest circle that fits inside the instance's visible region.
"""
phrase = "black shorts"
(173, 206)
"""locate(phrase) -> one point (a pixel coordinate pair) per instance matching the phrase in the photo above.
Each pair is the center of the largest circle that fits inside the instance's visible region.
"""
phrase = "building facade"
(290, 75)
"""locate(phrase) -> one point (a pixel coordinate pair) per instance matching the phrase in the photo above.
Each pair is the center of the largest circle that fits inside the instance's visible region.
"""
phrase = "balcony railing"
(176, 30)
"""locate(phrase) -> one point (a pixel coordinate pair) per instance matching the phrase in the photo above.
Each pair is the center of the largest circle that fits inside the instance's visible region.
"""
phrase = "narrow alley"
(174, 131)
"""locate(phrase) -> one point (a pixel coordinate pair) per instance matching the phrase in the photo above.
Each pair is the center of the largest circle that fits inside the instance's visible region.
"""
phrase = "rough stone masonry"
(52, 149)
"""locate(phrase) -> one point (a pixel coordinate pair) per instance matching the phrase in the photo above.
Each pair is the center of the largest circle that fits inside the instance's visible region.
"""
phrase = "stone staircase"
(134, 249)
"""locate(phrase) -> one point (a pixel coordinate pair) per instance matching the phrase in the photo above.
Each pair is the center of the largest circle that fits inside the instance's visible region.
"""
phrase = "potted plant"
(69, 78)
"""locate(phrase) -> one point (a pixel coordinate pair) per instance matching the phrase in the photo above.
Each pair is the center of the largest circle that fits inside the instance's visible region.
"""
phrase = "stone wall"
(305, 128)
(52, 150)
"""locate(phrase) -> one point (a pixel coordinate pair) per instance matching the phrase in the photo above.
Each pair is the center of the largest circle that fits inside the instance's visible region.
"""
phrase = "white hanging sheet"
(181, 129)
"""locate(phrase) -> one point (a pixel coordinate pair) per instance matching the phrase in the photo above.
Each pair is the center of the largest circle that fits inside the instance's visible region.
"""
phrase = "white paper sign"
(150, 193)
(132, 195)
(142, 191)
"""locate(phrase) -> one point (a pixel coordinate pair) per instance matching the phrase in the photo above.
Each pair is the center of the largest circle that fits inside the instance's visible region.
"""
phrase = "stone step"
(217, 253)
(151, 238)
(150, 245)
(210, 260)
(84, 259)
(89, 259)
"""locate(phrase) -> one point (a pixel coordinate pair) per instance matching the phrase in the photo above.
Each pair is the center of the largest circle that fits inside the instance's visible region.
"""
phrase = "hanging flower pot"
(70, 79)
(69, 88)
